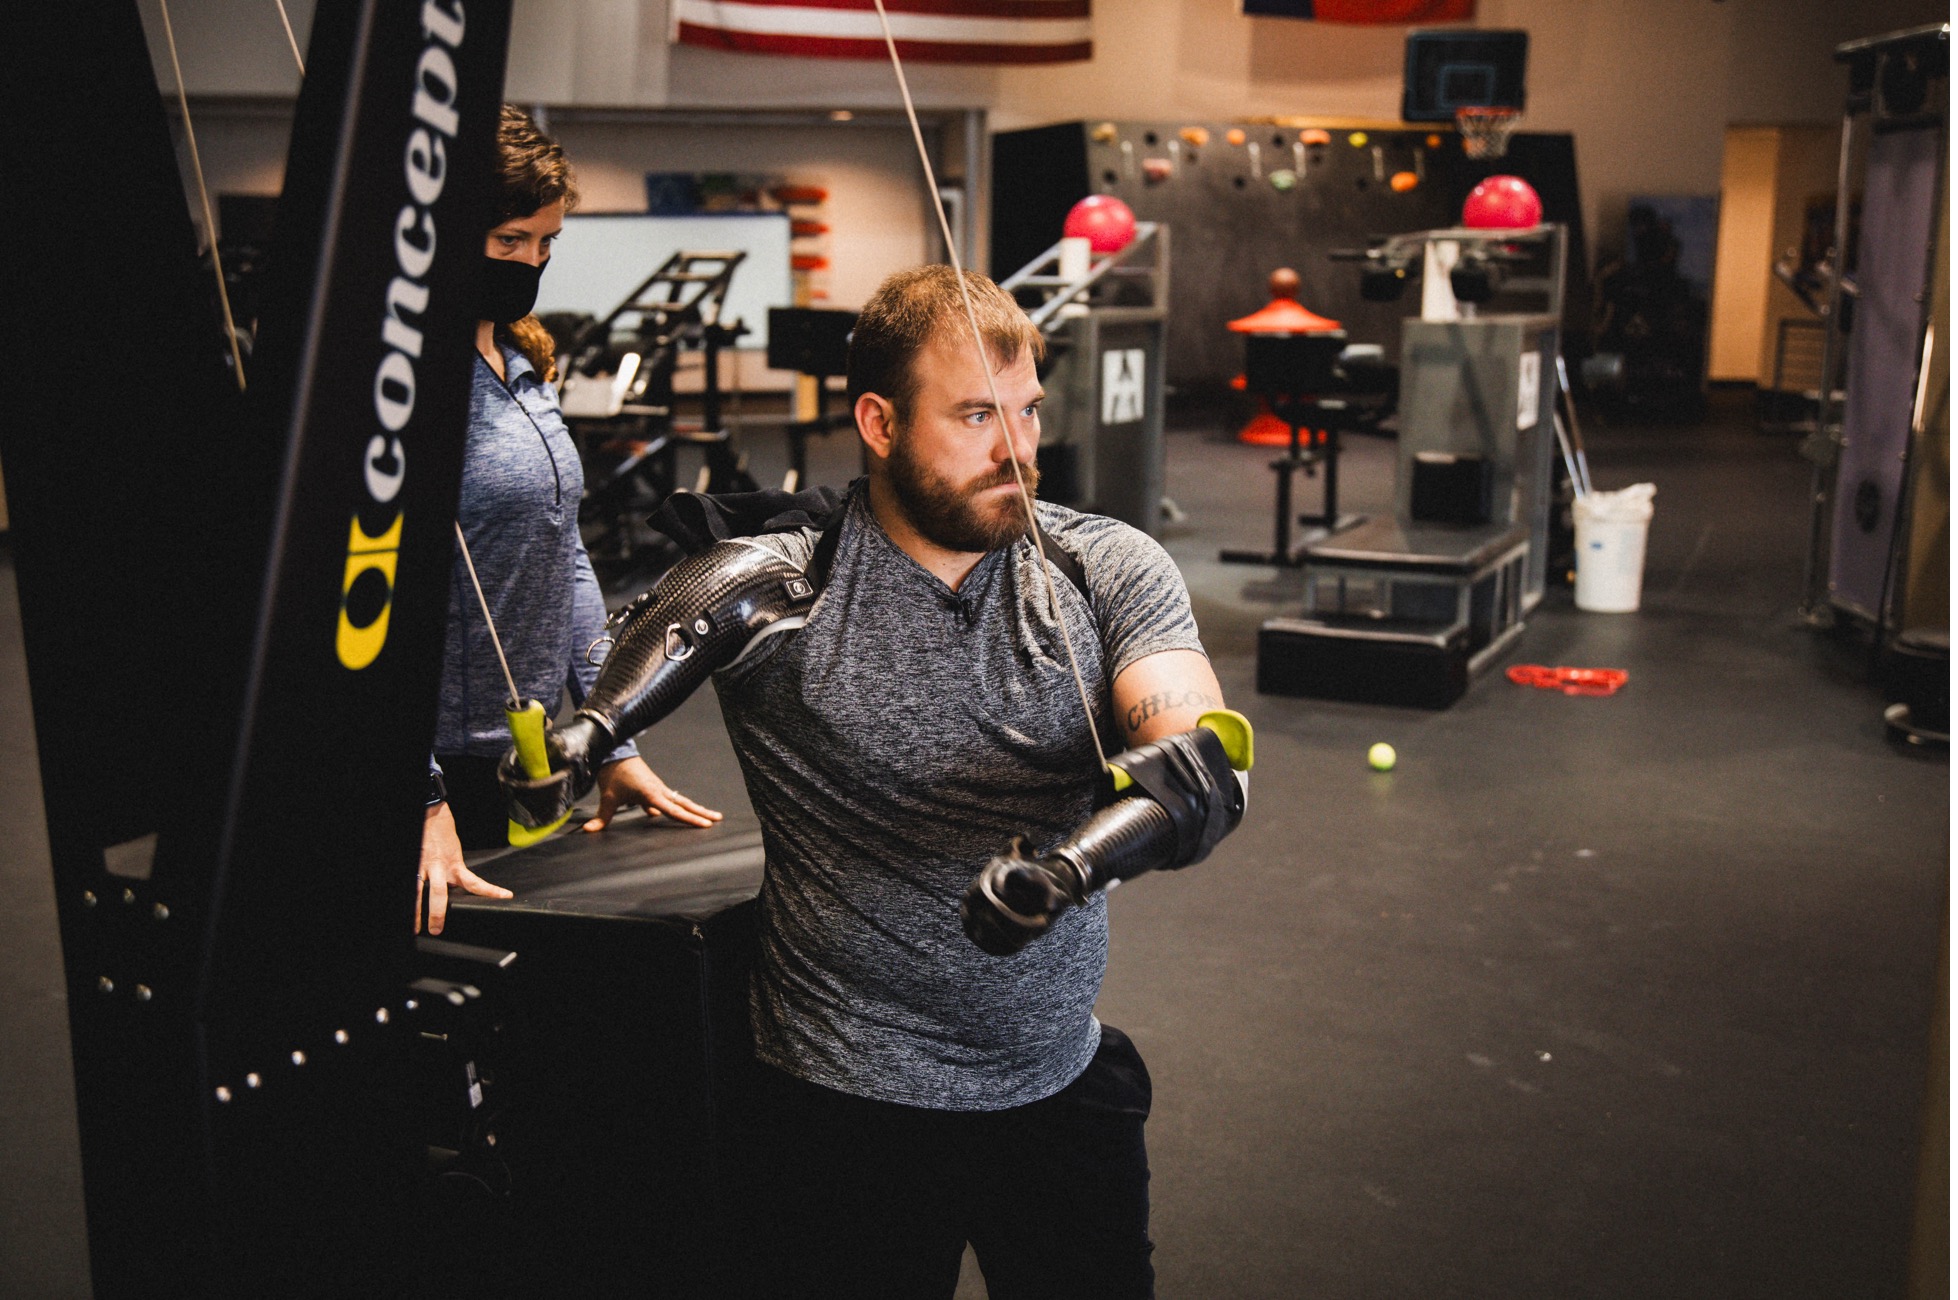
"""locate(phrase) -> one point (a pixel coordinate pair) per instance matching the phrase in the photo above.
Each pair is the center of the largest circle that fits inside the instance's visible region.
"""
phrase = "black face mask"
(506, 289)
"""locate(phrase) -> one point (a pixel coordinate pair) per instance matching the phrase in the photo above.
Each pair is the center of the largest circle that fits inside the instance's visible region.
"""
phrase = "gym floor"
(1617, 997)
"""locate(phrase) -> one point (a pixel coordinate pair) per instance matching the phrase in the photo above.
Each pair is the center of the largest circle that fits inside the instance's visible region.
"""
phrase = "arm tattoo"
(1162, 701)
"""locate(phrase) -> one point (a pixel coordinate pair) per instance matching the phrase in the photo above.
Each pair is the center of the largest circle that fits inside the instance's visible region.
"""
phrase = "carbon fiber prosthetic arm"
(1183, 795)
(702, 616)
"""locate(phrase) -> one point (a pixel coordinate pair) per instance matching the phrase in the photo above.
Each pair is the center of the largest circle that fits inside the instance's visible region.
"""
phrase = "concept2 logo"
(374, 540)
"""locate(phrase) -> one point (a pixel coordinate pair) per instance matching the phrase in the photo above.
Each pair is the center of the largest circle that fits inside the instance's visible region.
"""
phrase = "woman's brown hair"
(531, 172)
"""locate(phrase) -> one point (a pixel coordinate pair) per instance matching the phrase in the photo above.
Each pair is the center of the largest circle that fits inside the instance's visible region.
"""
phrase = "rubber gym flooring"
(1621, 997)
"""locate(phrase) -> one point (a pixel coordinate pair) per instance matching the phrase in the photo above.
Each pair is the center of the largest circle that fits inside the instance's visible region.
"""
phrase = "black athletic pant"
(475, 800)
(848, 1197)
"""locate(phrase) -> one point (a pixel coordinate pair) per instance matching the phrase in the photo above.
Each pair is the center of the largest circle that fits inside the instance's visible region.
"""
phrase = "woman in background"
(521, 483)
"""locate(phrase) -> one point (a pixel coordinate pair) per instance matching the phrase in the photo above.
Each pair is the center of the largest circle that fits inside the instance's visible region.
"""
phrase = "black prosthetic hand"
(1016, 897)
(1182, 797)
(701, 617)
(537, 802)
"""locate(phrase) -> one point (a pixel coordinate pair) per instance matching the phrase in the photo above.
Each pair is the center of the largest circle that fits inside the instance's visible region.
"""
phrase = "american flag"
(926, 31)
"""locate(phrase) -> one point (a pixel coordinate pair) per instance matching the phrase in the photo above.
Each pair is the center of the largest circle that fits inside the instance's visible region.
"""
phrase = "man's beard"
(947, 515)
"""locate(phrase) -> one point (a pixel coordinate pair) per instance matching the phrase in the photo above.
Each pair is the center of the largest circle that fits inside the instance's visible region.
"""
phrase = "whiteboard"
(602, 257)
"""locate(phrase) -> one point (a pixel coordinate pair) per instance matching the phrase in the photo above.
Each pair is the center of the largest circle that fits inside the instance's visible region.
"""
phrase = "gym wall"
(868, 170)
(1769, 177)
(1645, 87)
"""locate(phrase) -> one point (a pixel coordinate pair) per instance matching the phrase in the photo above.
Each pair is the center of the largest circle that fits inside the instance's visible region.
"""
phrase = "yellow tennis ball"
(1381, 757)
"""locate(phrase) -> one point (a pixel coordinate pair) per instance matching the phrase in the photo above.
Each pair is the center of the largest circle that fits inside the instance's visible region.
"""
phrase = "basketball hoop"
(1485, 130)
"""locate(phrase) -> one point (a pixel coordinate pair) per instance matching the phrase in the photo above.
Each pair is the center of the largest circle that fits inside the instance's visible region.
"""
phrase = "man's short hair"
(910, 309)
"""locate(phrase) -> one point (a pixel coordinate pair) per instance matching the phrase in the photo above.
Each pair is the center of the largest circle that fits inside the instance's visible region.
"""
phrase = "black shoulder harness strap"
(825, 556)
(696, 521)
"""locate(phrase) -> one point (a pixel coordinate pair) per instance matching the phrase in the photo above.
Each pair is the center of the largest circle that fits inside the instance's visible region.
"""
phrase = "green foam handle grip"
(1232, 727)
(527, 731)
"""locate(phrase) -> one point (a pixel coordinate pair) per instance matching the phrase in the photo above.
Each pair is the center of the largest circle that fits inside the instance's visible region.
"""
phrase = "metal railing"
(1043, 273)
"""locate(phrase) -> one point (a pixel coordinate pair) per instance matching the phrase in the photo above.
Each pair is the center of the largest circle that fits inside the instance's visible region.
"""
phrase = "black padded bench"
(624, 1038)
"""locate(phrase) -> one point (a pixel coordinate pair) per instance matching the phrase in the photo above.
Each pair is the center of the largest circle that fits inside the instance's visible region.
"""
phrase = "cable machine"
(238, 624)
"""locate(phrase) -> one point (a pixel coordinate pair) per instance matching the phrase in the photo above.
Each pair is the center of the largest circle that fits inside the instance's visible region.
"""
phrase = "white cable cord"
(985, 365)
(516, 701)
(290, 38)
(204, 199)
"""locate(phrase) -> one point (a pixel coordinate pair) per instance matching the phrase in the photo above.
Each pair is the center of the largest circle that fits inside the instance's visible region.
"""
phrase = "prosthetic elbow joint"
(1168, 805)
(708, 611)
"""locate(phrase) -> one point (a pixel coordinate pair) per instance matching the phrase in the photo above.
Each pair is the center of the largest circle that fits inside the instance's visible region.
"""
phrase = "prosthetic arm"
(1169, 803)
(708, 611)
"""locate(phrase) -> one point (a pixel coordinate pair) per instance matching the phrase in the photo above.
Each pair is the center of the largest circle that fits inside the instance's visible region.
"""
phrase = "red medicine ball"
(1502, 203)
(1103, 220)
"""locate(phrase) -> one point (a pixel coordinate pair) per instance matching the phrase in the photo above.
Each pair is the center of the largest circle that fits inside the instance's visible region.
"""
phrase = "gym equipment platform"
(1399, 613)
(673, 875)
(1101, 442)
(625, 1028)
(1404, 609)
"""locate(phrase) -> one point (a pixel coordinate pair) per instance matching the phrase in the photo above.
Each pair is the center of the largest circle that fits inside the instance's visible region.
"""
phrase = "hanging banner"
(926, 31)
(1364, 11)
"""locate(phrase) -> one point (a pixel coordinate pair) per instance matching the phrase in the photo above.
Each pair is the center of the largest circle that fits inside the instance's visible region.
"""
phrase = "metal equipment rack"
(1405, 609)
(1102, 426)
(619, 399)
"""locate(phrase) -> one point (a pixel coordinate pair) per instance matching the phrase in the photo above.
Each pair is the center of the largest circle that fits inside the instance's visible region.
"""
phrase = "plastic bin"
(1611, 528)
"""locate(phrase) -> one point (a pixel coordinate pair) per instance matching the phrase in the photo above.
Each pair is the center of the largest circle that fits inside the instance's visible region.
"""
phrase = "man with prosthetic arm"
(914, 687)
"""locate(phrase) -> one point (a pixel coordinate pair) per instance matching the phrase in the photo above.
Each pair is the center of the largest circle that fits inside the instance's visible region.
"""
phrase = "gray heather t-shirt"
(891, 746)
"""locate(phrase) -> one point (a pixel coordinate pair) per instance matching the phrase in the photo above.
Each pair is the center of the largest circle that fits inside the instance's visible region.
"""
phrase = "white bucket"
(1611, 528)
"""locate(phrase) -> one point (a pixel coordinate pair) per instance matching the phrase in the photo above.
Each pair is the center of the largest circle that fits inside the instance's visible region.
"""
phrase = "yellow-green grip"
(1232, 727)
(527, 732)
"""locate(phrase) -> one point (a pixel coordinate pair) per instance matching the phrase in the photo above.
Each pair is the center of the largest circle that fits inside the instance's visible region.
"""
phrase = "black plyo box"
(1307, 657)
